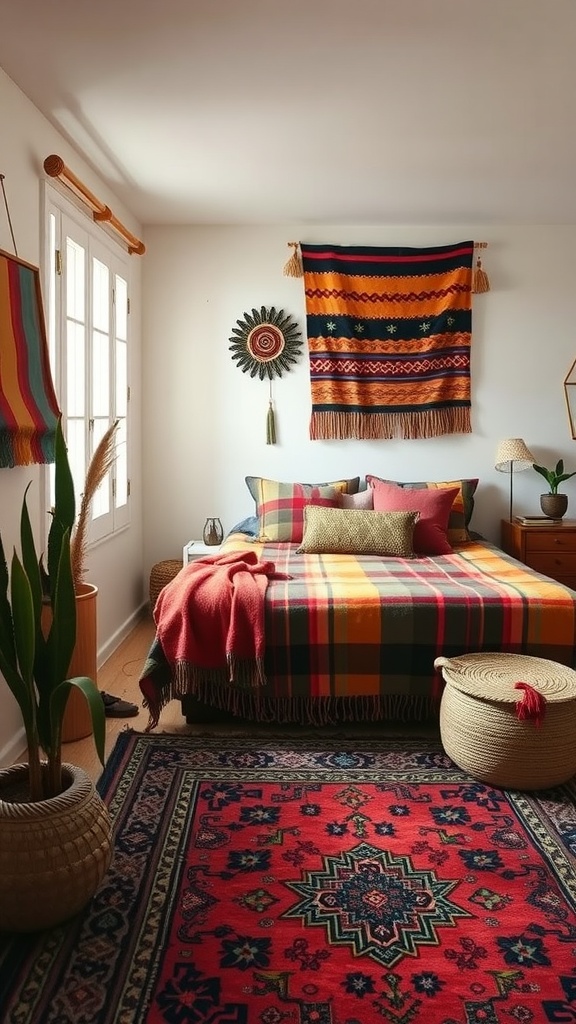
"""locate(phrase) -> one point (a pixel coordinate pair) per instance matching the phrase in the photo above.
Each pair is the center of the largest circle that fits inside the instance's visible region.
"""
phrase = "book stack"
(537, 521)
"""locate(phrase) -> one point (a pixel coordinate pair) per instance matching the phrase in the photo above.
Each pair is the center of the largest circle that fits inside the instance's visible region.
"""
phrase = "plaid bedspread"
(370, 628)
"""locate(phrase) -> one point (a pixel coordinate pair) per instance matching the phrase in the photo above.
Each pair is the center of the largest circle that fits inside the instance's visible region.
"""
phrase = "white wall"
(204, 422)
(115, 567)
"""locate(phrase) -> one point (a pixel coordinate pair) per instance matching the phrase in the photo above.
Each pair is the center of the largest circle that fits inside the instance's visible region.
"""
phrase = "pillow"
(280, 507)
(362, 499)
(430, 533)
(358, 532)
(350, 485)
(462, 509)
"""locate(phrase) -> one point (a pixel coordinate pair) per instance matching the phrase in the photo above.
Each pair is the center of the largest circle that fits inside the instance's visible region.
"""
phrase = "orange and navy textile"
(389, 334)
(28, 406)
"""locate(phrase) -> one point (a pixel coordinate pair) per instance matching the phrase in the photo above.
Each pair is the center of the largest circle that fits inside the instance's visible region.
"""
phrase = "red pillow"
(430, 532)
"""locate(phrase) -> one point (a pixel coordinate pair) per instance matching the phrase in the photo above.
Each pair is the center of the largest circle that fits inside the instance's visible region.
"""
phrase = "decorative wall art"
(389, 333)
(28, 406)
(265, 344)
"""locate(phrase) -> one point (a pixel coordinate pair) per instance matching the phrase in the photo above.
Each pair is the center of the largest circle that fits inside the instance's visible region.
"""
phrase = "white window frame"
(72, 221)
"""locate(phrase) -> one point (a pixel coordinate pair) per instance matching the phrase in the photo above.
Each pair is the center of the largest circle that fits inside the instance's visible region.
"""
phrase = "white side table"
(198, 549)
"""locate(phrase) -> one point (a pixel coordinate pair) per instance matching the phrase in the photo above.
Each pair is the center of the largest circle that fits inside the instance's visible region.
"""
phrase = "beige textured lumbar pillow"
(357, 532)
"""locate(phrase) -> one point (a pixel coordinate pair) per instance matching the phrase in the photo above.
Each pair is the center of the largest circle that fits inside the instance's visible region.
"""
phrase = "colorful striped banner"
(28, 406)
(389, 340)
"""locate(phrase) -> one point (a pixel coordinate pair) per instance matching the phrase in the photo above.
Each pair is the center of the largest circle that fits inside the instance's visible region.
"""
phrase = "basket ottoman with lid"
(509, 735)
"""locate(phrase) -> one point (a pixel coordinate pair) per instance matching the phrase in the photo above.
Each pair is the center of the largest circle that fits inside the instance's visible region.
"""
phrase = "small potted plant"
(56, 830)
(552, 503)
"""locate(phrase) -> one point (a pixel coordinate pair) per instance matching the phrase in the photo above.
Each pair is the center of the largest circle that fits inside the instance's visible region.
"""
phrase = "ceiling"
(311, 111)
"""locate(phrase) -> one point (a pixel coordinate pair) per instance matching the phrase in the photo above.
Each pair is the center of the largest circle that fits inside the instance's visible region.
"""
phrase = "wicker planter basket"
(161, 574)
(53, 854)
(480, 728)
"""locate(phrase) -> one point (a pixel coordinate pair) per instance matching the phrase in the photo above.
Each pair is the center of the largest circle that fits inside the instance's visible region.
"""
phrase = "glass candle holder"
(213, 533)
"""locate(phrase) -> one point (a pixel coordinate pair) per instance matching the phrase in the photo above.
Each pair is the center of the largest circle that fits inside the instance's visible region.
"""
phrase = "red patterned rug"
(311, 882)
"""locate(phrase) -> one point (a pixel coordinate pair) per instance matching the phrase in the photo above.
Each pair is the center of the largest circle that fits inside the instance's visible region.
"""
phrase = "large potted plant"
(55, 829)
(554, 504)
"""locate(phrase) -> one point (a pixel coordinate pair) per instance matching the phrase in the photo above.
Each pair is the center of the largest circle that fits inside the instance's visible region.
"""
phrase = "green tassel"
(270, 426)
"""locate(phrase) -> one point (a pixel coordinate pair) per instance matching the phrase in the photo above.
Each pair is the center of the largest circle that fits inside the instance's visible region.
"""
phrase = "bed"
(352, 636)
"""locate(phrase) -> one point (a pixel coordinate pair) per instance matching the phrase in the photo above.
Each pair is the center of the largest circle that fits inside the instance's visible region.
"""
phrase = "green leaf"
(24, 622)
(62, 635)
(30, 558)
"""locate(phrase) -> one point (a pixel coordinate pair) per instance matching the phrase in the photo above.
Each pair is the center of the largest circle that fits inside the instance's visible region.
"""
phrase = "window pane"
(121, 466)
(100, 296)
(121, 291)
(75, 275)
(100, 374)
(101, 501)
(75, 369)
(76, 441)
(121, 379)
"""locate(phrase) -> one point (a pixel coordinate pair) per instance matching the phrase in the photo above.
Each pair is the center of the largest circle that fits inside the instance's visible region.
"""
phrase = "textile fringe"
(480, 282)
(326, 426)
(270, 425)
(294, 268)
(314, 710)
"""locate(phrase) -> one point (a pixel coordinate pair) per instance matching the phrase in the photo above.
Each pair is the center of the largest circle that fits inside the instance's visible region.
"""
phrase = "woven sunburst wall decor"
(266, 343)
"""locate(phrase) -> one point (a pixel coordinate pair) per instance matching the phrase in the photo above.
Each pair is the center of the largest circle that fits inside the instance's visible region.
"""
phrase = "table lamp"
(512, 456)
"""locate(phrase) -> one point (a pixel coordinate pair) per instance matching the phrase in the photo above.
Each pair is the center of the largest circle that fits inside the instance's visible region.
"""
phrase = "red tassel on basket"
(532, 704)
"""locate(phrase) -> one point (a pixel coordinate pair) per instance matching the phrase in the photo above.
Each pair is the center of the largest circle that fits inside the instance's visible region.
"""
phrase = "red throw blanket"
(210, 623)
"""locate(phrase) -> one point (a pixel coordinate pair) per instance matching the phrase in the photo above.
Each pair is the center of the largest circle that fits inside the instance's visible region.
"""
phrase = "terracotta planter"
(77, 722)
(54, 853)
(554, 505)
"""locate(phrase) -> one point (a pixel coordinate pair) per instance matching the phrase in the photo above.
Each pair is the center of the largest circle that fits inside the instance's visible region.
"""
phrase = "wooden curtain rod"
(56, 168)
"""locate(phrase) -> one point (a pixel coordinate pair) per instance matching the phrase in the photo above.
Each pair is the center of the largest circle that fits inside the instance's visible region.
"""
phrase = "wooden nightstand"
(198, 549)
(547, 549)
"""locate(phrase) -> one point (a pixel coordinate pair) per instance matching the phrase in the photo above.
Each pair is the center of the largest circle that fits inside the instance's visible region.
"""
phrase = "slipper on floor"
(115, 707)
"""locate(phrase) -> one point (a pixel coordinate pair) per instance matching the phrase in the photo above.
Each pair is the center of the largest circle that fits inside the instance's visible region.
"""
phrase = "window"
(87, 319)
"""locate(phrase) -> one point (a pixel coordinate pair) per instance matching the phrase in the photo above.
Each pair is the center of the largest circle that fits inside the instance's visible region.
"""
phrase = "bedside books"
(537, 521)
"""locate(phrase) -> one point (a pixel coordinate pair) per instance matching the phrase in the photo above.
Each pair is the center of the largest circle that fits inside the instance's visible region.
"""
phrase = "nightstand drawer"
(553, 563)
(555, 540)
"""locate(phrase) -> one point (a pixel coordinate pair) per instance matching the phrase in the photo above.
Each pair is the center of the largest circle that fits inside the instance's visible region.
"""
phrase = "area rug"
(311, 881)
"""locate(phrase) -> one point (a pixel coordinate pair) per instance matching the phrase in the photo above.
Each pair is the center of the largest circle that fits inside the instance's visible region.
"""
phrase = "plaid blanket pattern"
(346, 626)
(389, 340)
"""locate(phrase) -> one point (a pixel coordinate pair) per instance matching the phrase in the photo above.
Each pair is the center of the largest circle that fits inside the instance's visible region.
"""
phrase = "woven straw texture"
(161, 574)
(358, 532)
(53, 854)
(480, 729)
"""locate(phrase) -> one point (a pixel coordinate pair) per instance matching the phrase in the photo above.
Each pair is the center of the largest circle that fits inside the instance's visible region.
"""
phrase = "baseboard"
(125, 629)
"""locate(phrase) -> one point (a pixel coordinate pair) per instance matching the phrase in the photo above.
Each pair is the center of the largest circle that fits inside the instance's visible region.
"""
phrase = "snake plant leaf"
(60, 696)
(6, 625)
(62, 635)
(64, 503)
(30, 558)
(23, 619)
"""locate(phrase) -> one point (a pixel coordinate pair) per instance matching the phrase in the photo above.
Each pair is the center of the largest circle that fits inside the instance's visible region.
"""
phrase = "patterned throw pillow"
(358, 532)
(430, 536)
(280, 507)
(462, 507)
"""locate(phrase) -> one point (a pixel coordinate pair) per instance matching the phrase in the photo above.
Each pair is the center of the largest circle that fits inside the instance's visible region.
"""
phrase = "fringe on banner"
(328, 426)
(294, 268)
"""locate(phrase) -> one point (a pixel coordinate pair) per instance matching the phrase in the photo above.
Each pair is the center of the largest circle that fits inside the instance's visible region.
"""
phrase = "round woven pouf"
(161, 574)
(482, 732)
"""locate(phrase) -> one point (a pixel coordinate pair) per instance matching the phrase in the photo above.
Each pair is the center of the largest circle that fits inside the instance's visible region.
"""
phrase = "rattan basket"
(480, 729)
(161, 574)
(53, 853)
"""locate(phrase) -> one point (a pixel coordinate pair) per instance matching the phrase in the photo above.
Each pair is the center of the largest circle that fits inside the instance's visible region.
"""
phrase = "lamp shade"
(512, 456)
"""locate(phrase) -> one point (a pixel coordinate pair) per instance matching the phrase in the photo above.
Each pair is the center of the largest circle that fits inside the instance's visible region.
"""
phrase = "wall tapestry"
(265, 344)
(389, 340)
(28, 406)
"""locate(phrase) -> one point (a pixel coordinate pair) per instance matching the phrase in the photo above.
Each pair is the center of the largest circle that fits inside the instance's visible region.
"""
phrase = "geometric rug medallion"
(311, 881)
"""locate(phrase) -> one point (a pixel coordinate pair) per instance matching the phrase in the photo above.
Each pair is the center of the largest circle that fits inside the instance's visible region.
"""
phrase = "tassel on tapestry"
(293, 268)
(28, 406)
(389, 333)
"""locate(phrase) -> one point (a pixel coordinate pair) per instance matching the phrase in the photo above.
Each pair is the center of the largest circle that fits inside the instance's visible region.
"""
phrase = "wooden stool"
(161, 574)
(482, 727)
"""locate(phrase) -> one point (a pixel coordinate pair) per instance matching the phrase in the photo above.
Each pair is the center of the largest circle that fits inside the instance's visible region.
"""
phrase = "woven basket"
(53, 853)
(480, 729)
(161, 574)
